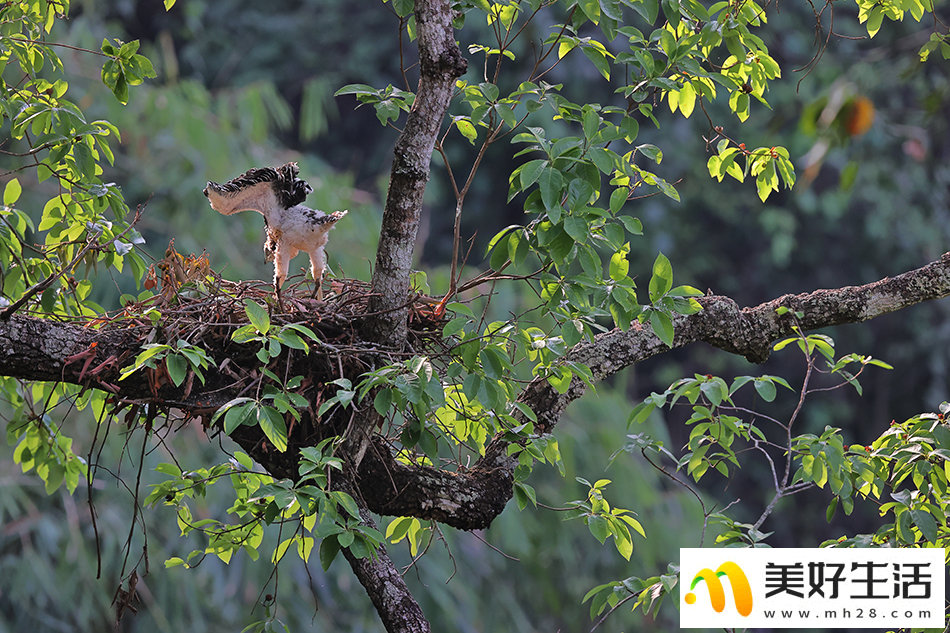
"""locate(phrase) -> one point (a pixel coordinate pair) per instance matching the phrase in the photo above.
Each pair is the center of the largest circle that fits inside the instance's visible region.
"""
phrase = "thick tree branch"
(47, 350)
(54, 351)
(748, 332)
(466, 500)
(40, 350)
(440, 64)
(397, 609)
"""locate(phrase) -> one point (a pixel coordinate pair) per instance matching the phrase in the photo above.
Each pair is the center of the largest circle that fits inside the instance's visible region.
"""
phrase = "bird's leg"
(318, 288)
(317, 266)
(281, 263)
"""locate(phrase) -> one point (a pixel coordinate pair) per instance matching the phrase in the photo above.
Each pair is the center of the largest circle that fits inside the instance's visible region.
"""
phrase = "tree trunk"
(440, 64)
(385, 586)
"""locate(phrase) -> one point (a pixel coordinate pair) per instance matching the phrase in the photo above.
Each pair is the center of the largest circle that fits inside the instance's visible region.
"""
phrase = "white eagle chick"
(278, 194)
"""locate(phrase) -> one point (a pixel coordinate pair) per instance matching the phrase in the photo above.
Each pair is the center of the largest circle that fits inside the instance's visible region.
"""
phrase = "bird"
(290, 227)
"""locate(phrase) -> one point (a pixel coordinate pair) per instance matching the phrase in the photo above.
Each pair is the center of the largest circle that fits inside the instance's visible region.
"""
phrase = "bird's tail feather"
(332, 218)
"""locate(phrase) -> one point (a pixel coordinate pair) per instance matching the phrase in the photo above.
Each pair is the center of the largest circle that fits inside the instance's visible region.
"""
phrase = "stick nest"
(194, 297)
(195, 305)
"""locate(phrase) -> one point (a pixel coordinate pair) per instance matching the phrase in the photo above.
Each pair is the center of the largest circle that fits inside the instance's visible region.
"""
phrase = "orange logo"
(741, 591)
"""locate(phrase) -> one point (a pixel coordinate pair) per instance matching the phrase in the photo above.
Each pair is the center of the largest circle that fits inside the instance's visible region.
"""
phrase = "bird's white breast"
(302, 227)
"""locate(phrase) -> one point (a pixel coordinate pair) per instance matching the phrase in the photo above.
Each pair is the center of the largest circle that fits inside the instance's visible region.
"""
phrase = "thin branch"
(46, 283)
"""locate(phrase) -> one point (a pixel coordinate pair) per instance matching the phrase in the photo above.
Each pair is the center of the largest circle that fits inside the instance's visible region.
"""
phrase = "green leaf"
(598, 527)
(597, 57)
(244, 334)
(662, 280)
(429, 445)
(329, 548)
(619, 266)
(687, 99)
(238, 415)
(618, 198)
(54, 477)
(641, 413)
(499, 255)
(151, 350)
(272, 424)
(662, 326)
(177, 367)
(507, 114)
(572, 332)
(84, 160)
(292, 340)
(530, 172)
(604, 159)
(651, 151)
(560, 379)
(830, 511)
(631, 224)
(671, 10)
(784, 342)
(257, 315)
(875, 19)
(383, 401)
(11, 193)
(490, 91)
(356, 89)
(518, 247)
(577, 228)
(402, 8)
(765, 388)
(120, 86)
(629, 520)
(398, 528)
(624, 544)
(467, 129)
(524, 494)
(348, 503)
(925, 523)
(550, 182)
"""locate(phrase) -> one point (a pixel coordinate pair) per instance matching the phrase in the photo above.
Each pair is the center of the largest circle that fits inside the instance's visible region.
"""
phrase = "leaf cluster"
(54, 137)
(602, 520)
(179, 358)
(279, 397)
(124, 68)
(905, 471)
(319, 512)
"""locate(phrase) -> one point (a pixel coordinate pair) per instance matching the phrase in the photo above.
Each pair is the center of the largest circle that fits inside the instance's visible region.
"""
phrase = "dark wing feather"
(290, 190)
(259, 190)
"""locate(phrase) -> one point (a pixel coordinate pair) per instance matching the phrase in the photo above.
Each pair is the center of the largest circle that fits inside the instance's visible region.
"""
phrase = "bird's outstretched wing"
(263, 190)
